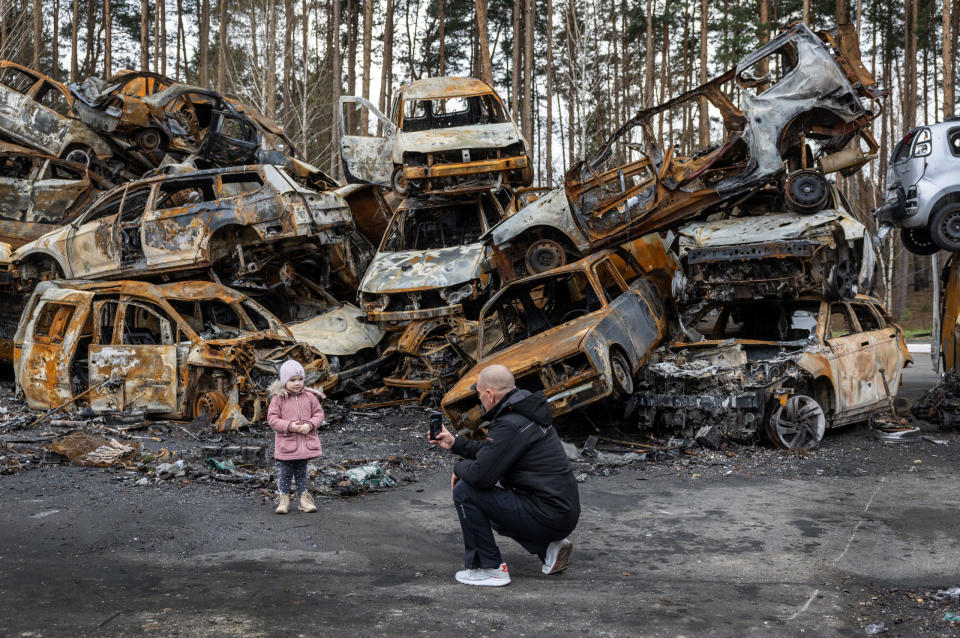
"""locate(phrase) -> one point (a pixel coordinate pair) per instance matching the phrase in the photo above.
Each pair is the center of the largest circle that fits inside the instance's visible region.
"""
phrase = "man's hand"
(453, 481)
(444, 439)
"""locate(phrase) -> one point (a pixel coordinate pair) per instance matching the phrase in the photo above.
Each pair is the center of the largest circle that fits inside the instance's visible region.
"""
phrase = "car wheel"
(543, 255)
(918, 241)
(209, 403)
(80, 155)
(621, 375)
(807, 192)
(799, 424)
(945, 227)
(399, 183)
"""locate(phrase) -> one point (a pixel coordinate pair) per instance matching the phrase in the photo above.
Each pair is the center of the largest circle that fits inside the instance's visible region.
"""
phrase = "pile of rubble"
(717, 293)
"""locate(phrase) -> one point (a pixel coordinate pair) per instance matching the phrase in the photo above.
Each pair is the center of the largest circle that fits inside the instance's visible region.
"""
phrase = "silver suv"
(923, 188)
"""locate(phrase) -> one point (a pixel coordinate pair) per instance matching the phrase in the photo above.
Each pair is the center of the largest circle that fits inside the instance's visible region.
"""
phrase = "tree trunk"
(549, 131)
(486, 66)
(89, 62)
(442, 51)
(180, 38)
(55, 61)
(365, 78)
(806, 11)
(910, 69)
(306, 79)
(386, 74)
(203, 73)
(271, 60)
(649, 53)
(352, 24)
(527, 108)
(222, 47)
(948, 79)
(108, 39)
(289, 17)
(144, 34)
(515, 61)
(663, 73)
(841, 12)
(337, 82)
(37, 33)
(156, 36)
(763, 34)
(704, 105)
(571, 88)
(163, 37)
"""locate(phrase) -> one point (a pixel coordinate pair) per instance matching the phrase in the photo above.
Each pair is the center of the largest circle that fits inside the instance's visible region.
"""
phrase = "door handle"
(864, 343)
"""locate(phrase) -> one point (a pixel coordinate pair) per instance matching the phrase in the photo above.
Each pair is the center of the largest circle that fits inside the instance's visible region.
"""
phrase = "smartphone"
(436, 425)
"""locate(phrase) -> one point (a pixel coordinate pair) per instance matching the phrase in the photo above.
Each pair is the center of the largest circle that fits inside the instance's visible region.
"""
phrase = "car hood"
(459, 137)
(553, 344)
(766, 228)
(418, 269)
(338, 332)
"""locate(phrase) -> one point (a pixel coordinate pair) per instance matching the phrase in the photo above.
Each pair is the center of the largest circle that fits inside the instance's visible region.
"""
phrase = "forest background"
(570, 71)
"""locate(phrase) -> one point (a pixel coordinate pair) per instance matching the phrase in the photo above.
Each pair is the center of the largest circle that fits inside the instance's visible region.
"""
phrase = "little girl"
(295, 415)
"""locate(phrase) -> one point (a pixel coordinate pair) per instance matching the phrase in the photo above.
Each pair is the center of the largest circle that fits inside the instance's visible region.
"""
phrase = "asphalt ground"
(822, 545)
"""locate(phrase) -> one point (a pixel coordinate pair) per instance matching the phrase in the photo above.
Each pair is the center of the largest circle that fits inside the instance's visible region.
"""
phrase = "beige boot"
(283, 503)
(306, 503)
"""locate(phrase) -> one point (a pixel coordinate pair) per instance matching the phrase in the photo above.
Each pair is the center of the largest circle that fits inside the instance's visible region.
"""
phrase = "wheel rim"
(544, 255)
(79, 156)
(210, 403)
(950, 226)
(807, 192)
(798, 424)
(401, 186)
(621, 374)
(918, 241)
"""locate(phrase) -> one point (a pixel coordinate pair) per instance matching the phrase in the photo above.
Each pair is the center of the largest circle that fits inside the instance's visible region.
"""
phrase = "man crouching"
(537, 503)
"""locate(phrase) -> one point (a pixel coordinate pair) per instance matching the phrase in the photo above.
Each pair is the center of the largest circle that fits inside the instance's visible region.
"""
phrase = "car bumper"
(465, 168)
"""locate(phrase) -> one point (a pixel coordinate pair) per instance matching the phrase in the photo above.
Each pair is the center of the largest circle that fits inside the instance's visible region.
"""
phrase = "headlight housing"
(453, 295)
(376, 304)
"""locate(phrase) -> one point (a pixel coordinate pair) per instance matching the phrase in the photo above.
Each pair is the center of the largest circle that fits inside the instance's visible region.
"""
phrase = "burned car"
(429, 280)
(787, 369)
(810, 88)
(35, 112)
(444, 134)
(158, 116)
(250, 226)
(184, 350)
(923, 188)
(772, 255)
(578, 333)
(39, 193)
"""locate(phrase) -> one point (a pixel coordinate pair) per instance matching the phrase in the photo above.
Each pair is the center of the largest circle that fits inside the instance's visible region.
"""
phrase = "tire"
(918, 241)
(945, 227)
(799, 424)
(620, 375)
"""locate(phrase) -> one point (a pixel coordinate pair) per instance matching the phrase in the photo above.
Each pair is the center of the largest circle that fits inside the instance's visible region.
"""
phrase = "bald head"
(493, 382)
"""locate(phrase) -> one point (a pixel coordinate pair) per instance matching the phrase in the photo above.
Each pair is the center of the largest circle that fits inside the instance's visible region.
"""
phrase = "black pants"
(502, 510)
(287, 470)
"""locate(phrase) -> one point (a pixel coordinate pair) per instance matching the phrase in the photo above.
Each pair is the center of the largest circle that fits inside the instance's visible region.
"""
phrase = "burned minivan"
(578, 333)
(184, 350)
(786, 369)
(444, 134)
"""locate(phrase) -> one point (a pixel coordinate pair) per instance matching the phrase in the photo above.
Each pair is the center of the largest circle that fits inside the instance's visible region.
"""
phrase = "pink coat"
(285, 408)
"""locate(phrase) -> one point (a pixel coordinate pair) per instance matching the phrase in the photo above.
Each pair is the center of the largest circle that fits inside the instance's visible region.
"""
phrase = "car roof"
(154, 292)
(444, 87)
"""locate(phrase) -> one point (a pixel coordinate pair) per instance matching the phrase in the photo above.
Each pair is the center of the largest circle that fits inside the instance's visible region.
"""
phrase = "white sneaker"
(558, 556)
(485, 577)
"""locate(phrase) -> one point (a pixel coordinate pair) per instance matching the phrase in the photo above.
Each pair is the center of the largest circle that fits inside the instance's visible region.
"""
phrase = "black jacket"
(523, 452)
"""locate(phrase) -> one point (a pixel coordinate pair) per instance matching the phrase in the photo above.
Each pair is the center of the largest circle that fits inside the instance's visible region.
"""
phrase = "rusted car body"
(777, 254)
(578, 333)
(444, 134)
(822, 93)
(785, 368)
(428, 282)
(159, 116)
(182, 350)
(253, 226)
(39, 192)
(35, 112)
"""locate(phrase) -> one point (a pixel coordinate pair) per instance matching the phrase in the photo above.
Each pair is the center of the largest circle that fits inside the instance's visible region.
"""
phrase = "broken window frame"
(166, 333)
(16, 71)
(55, 331)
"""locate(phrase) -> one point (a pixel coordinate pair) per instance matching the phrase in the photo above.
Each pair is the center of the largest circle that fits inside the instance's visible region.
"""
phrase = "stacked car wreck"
(665, 289)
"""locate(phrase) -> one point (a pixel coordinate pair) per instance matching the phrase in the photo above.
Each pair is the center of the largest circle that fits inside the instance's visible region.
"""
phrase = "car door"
(176, 225)
(15, 179)
(134, 343)
(851, 358)
(91, 243)
(15, 88)
(49, 347)
(367, 156)
(887, 346)
(54, 193)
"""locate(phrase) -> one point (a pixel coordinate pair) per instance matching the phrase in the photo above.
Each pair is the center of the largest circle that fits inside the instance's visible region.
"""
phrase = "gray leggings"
(287, 470)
